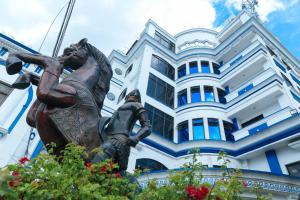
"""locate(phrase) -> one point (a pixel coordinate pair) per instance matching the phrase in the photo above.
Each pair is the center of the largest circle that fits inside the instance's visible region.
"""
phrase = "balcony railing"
(246, 86)
(264, 123)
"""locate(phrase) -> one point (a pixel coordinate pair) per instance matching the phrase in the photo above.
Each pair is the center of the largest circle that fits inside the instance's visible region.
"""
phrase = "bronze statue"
(67, 111)
(116, 134)
(70, 110)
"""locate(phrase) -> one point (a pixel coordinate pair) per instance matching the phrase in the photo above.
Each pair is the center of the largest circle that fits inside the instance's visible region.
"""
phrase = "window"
(221, 95)
(5, 90)
(164, 41)
(214, 129)
(205, 67)
(181, 71)
(161, 91)
(182, 98)
(193, 67)
(280, 66)
(198, 129)
(163, 67)
(252, 121)
(183, 132)
(228, 129)
(294, 169)
(195, 94)
(149, 164)
(216, 68)
(122, 95)
(128, 70)
(209, 93)
(162, 123)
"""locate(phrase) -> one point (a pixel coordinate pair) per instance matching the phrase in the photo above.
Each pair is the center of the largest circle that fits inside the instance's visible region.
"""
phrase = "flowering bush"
(69, 177)
(50, 177)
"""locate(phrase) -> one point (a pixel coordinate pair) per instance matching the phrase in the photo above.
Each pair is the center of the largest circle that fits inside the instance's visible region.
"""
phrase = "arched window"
(122, 95)
(149, 164)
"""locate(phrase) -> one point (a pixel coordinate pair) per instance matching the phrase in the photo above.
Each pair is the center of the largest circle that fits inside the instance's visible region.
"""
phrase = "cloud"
(112, 24)
(265, 7)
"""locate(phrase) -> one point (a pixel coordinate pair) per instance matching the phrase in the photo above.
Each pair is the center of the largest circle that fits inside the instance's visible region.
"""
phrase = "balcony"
(264, 124)
(250, 84)
(245, 68)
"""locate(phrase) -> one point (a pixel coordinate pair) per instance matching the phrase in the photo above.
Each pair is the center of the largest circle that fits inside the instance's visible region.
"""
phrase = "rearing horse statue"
(66, 111)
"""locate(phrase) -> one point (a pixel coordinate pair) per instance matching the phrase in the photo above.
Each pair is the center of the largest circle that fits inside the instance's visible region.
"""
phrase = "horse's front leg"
(14, 61)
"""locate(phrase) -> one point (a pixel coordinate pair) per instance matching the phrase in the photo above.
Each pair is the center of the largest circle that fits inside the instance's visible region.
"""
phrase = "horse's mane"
(102, 87)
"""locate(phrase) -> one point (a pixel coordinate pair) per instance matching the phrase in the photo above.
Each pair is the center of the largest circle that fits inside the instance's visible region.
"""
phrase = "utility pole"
(63, 28)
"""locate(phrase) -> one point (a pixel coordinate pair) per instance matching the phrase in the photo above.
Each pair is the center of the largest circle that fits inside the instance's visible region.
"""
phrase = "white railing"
(257, 80)
(242, 54)
(269, 120)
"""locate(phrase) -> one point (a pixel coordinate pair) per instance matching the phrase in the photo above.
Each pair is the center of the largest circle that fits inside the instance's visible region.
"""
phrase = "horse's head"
(75, 55)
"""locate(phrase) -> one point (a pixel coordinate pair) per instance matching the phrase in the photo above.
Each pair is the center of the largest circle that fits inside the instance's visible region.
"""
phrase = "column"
(187, 68)
(206, 131)
(188, 95)
(191, 135)
(199, 66)
(222, 131)
(202, 93)
(211, 69)
(216, 94)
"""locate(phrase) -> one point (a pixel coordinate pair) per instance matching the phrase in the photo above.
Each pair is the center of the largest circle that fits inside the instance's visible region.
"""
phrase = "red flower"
(23, 160)
(197, 193)
(88, 165)
(103, 169)
(12, 183)
(245, 184)
(15, 173)
(110, 165)
(118, 175)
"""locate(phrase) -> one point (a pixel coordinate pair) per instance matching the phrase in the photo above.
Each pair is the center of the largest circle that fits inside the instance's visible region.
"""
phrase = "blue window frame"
(183, 132)
(181, 71)
(195, 94)
(209, 93)
(205, 67)
(193, 67)
(280, 66)
(198, 129)
(182, 97)
(214, 129)
(3, 51)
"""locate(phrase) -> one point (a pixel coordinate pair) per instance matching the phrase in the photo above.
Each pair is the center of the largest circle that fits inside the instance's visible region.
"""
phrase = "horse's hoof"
(22, 82)
(13, 65)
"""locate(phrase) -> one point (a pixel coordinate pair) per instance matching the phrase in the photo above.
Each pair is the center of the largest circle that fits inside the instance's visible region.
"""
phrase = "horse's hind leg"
(49, 134)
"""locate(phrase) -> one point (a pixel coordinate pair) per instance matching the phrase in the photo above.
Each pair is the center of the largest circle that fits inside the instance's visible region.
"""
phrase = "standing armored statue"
(117, 134)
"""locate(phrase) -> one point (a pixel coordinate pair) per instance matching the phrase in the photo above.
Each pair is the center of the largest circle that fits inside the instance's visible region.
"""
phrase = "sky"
(116, 24)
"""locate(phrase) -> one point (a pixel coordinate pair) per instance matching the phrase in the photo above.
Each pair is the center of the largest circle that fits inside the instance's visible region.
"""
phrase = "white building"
(237, 90)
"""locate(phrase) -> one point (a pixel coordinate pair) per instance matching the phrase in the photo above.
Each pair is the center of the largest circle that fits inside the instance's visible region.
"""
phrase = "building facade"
(237, 91)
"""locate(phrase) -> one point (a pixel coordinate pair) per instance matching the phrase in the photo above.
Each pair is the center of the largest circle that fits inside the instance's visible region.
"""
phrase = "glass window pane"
(182, 98)
(228, 129)
(209, 93)
(181, 71)
(198, 129)
(195, 93)
(205, 67)
(214, 129)
(216, 68)
(162, 123)
(221, 94)
(183, 132)
(193, 67)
